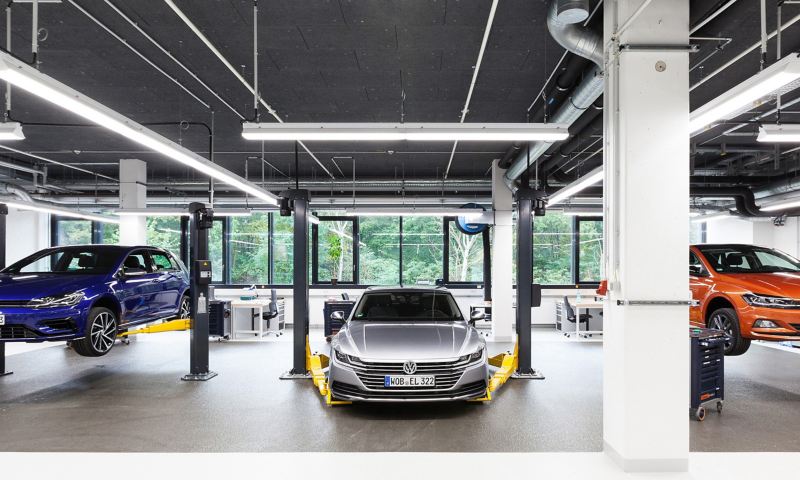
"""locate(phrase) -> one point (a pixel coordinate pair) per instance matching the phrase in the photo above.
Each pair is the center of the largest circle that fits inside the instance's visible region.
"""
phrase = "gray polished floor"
(133, 400)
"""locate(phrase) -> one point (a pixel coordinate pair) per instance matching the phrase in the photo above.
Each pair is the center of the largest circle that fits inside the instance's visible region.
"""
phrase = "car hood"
(35, 285)
(779, 284)
(385, 340)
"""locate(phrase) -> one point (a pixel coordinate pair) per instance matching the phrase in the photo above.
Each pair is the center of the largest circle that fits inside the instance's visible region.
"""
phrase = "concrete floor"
(133, 400)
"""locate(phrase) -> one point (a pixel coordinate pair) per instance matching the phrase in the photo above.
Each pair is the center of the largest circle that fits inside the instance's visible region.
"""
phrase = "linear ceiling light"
(416, 212)
(779, 77)
(583, 213)
(31, 80)
(593, 177)
(784, 133)
(163, 212)
(711, 218)
(462, 132)
(63, 212)
(11, 131)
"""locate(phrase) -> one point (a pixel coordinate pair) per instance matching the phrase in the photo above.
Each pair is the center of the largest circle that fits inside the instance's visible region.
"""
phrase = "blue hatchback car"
(87, 294)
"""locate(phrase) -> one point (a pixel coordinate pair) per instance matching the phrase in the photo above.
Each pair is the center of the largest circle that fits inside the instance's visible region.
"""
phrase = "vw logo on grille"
(410, 368)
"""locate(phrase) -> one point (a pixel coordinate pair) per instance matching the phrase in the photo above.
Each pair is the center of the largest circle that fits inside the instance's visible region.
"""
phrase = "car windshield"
(412, 305)
(71, 260)
(743, 259)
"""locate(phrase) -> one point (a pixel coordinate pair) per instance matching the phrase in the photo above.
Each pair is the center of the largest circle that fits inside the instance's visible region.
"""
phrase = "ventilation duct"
(581, 41)
(572, 11)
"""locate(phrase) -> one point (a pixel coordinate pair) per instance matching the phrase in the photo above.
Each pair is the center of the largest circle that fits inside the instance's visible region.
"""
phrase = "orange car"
(749, 292)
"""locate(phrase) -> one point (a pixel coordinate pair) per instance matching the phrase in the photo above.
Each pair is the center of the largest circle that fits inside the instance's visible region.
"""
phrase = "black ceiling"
(324, 61)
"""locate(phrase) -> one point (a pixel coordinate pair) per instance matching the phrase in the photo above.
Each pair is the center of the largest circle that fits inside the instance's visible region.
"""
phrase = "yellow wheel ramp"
(507, 364)
(316, 364)
(171, 326)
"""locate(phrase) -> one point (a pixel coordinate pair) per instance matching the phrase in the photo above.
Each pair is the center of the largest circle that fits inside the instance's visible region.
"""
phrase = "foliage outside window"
(466, 256)
(164, 232)
(73, 232)
(379, 250)
(110, 234)
(335, 255)
(282, 249)
(215, 252)
(422, 250)
(590, 251)
(552, 249)
(249, 245)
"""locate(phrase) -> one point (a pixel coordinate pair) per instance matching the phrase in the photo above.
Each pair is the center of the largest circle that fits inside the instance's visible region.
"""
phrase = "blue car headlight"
(65, 300)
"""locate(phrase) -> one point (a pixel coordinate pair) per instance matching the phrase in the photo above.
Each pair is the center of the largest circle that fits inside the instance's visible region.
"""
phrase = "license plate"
(2, 319)
(409, 381)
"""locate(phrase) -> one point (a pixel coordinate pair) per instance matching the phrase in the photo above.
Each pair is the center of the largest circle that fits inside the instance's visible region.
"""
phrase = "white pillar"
(646, 348)
(502, 258)
(132, 194)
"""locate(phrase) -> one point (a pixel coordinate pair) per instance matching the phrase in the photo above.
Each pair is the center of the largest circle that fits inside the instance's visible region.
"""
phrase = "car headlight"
(343, 358)
(476, 355)
(65, 300)
(765, 324)
(769, 301)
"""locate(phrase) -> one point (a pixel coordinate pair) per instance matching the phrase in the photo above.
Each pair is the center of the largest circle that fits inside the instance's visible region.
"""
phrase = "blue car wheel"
(101, 332)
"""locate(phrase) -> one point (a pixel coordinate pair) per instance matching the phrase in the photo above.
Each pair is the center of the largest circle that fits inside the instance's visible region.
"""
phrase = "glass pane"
(111, 234)
(466, 256)
(73, 232)
(215, 252)
(379, 250)
(249, 244)
(282, 248)
(552, 249)
(423, 250)
(335, 251)
(591, 251)
(165, 232)
(697, 233)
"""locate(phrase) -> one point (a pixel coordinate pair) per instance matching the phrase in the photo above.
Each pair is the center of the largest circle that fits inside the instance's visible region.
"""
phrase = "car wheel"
(725, 319)
(185, 308)
(101, 332)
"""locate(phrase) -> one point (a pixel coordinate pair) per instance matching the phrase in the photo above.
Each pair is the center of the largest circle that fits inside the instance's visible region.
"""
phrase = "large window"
(423, 250)
(282, 249)
(249, 247)
(379, 250)
(216, 251)
(590, 250)
(72, 232)
(334, 250)
(109, 234)
(552, 249)
(465, 255)
(164, 232)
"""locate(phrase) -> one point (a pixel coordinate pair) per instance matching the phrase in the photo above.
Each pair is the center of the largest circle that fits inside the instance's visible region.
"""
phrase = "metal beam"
(525, 197)
(3, 215)
(299, 201)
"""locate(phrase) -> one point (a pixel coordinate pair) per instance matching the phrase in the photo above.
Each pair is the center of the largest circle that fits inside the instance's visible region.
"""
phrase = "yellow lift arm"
(171, 326)
(316, 364)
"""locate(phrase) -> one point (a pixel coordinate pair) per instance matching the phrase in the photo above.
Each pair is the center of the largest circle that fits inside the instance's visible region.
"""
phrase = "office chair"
(569, 313)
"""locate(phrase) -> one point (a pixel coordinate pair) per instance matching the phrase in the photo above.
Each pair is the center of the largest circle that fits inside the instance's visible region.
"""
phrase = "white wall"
(729, 230)
(759, 232)
(26, 232)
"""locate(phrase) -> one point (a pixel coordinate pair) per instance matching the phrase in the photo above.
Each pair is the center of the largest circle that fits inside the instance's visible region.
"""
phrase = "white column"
(502, 258)
(646, 348)
(132, 194)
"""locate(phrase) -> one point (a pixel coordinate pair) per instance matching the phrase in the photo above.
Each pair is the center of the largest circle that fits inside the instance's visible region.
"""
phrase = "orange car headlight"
(770, 301)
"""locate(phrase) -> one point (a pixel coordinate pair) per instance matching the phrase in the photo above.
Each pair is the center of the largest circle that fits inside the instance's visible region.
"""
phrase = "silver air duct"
(573, 11)
(583, 42)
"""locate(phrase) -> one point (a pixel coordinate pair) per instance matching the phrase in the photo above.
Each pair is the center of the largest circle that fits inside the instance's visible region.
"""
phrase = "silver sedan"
(407, 344)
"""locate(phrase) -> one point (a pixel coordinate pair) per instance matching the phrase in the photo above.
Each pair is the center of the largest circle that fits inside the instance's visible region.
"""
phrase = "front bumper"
(788, 321)
(365, 384)
(23, 324)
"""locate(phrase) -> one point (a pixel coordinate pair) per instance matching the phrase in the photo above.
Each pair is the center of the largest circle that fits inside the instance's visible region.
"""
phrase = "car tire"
(101, 332)
(184, 307)
(725, 319)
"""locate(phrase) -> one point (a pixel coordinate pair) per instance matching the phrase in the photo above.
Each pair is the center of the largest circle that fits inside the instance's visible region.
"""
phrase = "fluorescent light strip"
(747, 94)
(155, 212)
(781, 206)
(456, 212)
(784, 133)
(11, 131)
(64, 212)
(711, 218)
(31, 80)
(582, 213)
(424, 132)
(593, 177)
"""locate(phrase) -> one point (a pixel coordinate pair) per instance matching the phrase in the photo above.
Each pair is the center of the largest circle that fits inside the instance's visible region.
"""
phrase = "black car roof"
(415, 288)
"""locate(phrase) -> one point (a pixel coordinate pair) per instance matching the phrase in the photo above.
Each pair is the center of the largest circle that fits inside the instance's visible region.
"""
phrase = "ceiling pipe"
(55, 162)
(586, 43)
(18, 192)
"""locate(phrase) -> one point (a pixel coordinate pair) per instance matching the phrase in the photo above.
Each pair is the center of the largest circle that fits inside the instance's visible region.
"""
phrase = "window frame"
(315, 250)
(576, 249)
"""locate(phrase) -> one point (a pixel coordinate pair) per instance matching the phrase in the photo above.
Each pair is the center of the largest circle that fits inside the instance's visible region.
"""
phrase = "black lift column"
(528, 295)
(199, 223)
(3, 214)
(297, 201)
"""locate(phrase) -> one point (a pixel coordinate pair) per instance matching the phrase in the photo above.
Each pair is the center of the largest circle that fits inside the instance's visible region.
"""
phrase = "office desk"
(586, 304)
(253, 306)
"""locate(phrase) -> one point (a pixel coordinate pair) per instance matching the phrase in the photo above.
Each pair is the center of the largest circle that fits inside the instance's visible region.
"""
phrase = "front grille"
(60, 324)
(14, 303)
(15, 332)
(447, 374)
(471, 390)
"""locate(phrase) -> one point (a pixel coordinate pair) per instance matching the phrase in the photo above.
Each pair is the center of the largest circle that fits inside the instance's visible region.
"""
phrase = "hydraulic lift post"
(297, 201)
(528, 294)
(200, 222)
(3, 214)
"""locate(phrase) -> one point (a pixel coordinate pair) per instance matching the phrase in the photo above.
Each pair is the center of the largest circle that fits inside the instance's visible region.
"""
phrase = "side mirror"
(120, 275)
(476, 317)
(696, 271)
(338, 316)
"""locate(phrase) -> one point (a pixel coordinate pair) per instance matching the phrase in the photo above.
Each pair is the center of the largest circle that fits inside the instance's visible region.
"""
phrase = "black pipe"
(564, 84)
(487, 265)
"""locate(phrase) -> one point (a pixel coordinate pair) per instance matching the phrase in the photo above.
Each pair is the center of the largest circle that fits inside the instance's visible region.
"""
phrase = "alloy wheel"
(723, 323)
(103, 331)
(184, 311)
